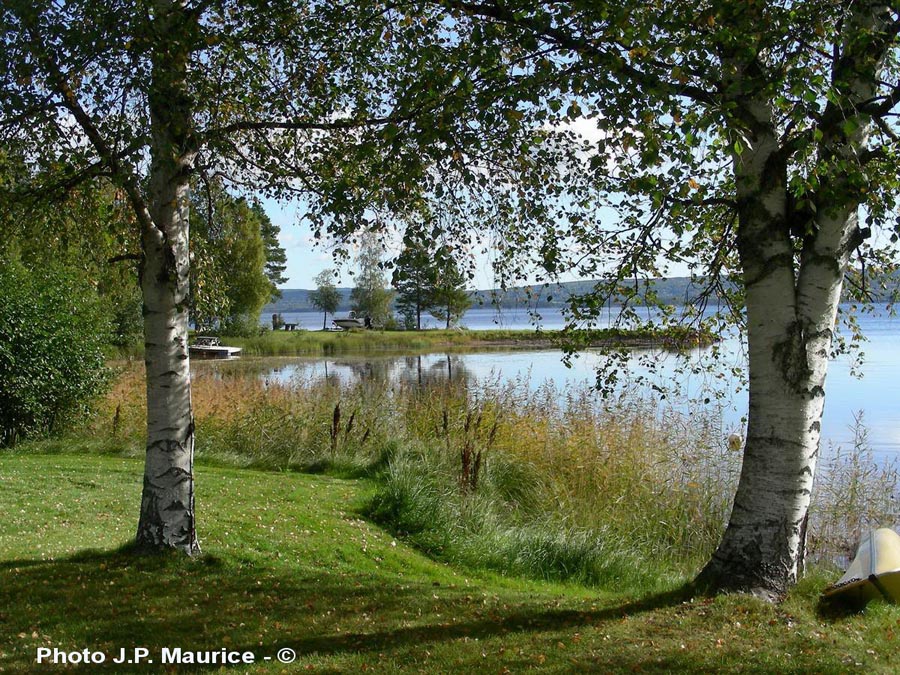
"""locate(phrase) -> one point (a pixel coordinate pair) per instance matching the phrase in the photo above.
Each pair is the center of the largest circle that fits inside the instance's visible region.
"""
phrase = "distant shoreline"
(326, 343)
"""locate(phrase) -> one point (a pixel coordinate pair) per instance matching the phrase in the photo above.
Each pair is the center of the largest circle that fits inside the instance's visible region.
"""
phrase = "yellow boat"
(874, 572)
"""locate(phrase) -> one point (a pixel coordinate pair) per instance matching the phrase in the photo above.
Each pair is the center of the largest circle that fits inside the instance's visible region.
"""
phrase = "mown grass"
(289, 562)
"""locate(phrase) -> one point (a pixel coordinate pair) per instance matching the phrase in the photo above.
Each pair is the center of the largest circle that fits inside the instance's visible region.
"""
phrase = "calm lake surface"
(875, 395)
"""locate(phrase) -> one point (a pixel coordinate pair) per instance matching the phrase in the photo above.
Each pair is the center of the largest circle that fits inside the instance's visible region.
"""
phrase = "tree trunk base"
(168, 526)
(767, 583)
(148, 541)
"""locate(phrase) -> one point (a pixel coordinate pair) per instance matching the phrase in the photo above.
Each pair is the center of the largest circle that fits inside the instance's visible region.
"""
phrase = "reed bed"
(537, 482)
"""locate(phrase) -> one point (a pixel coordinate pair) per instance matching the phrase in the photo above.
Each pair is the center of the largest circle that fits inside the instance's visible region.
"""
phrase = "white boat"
(349, 323)
(208, 347)
(874, 572)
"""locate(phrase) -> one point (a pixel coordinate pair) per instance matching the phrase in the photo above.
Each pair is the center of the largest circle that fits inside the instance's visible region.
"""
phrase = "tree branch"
(60, 84)
(44, 106)
(881, 105)
(300, 125)
(123, 257)
(96, 169)
(710, 201)
(614, 62)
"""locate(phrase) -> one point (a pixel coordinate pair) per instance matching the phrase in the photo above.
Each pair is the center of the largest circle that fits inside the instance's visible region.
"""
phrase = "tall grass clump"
(301, 425)
(246, 420)
(855, 493)
(538, 482)
(504, 525)
(572, 488)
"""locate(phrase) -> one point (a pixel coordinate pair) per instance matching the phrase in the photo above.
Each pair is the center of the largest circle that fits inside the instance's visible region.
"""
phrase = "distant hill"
(674, 291)
(670, 291)
(297, 300)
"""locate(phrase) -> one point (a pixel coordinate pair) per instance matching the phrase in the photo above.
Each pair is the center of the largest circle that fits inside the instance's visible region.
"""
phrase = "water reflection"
(876, 394)
(420, 369)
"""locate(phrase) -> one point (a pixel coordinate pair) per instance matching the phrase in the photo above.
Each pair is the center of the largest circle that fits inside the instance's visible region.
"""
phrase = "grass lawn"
(289, 563)
(316, 342)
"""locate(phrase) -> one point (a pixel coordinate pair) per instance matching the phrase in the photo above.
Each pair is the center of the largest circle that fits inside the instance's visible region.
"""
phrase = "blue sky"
(305, 260)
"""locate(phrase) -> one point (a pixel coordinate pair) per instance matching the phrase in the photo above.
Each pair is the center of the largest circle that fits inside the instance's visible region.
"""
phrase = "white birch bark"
(761, 545)
(167, 503)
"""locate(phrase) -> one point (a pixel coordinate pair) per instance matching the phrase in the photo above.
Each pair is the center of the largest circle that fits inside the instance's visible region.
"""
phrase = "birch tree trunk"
(167, 502)
(789, 334)
(794, 262)
(763, 539)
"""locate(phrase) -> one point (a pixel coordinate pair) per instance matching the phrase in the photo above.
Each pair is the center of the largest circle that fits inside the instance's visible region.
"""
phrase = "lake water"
(480, 318)
(875, 395)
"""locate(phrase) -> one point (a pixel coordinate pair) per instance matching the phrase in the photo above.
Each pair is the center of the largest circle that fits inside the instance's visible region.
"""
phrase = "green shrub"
(242, 325)
(51, 349)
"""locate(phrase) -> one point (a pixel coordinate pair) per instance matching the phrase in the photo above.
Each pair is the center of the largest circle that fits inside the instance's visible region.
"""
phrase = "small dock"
(208, 347)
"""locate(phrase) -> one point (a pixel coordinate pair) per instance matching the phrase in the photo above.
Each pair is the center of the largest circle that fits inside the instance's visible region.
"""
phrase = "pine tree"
(415, 277)
(276, 259)
(450, 299)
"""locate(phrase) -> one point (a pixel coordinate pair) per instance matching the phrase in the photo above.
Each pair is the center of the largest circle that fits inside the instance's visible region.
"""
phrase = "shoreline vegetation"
(325, 343)
(570, 476)
(501, 520)
(290, 562)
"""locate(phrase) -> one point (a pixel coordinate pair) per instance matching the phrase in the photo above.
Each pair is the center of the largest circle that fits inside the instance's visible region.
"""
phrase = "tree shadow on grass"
(537, 620)
(110, 600)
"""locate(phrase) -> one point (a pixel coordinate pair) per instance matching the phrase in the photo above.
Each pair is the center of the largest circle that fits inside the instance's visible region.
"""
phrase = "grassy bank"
(539, 483)
(289, 562)
(316, 343)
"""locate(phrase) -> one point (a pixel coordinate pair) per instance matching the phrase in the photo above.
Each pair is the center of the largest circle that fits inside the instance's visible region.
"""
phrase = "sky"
(305, 259)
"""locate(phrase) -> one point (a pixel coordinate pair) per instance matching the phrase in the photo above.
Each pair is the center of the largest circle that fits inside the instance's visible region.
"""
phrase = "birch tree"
(753, 141)
(283, 97)
(370, 297)
(326, 297)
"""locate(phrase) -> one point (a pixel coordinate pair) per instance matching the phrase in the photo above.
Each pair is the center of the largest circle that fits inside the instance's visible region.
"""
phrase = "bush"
(242, 325)
(51, 349)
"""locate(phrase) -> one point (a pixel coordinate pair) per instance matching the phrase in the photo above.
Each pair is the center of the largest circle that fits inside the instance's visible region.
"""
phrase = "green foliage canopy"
(84, 228)
(230, 278)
